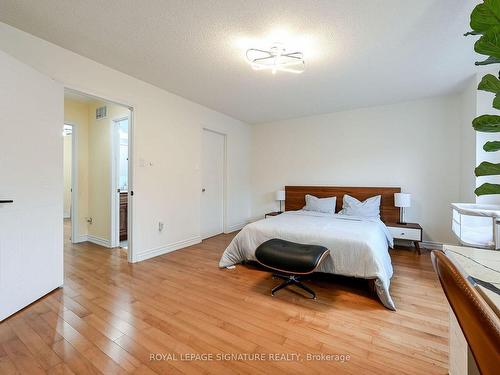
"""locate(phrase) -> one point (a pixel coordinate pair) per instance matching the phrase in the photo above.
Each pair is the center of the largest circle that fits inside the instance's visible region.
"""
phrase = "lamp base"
(402, 216)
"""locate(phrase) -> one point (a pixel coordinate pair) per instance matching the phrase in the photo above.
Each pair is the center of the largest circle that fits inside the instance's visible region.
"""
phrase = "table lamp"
(402, 200)
(280, 196)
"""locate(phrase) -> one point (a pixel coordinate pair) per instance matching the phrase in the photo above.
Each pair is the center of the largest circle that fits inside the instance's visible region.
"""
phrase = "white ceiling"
(358, 53)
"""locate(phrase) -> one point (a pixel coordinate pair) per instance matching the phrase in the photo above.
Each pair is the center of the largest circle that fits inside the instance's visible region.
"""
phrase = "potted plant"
(485, 22)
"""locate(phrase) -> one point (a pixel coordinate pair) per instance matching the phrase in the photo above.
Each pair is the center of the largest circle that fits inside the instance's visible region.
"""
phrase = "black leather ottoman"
(291, 261)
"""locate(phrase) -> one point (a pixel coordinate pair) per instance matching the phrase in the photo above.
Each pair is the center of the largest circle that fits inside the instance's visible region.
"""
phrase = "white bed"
(358, 246)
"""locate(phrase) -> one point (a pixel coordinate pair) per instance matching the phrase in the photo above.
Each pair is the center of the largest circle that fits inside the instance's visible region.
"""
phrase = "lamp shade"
(402, 200)
(280, 195)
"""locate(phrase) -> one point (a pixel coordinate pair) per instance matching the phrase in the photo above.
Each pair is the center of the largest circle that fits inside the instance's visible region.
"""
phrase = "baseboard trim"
(99, 241)
(157, 251)
(235, 227)
(81, 238)
(432, 245)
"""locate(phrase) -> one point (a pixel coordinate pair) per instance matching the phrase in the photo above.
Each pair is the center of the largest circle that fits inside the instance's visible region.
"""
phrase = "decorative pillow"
(368, 208)
(325, 205)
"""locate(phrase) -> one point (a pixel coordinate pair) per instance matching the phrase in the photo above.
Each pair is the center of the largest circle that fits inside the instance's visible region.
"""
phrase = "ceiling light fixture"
(276, 59)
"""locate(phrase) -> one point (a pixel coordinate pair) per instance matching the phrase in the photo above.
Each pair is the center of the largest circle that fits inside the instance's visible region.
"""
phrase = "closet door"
(212, 192)
(31, 185)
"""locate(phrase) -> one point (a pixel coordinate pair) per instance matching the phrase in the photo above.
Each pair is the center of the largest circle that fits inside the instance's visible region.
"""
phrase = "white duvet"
(358, 246)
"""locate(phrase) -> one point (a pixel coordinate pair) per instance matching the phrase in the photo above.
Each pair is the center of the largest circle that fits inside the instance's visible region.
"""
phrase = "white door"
(31, 175)
(212, 191)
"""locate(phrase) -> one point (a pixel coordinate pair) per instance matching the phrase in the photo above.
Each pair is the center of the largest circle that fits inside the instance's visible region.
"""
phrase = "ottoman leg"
(306, 288)
(291, 280)
(278, 276)
(284, 284)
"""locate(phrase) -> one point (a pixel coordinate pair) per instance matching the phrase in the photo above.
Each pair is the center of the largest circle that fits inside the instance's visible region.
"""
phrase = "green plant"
(485, 21)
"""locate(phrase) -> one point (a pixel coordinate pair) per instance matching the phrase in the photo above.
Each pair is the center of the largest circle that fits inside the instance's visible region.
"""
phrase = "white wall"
(415, 145)
(100, 166)
(468, 101)
(77, 114)
(167, 135)
(67, 145)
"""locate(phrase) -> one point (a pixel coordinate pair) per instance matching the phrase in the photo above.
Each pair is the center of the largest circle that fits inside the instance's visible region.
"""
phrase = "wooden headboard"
(295, 197)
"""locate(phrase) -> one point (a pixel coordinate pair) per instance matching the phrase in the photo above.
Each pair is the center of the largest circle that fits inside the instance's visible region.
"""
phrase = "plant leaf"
(487, 169)
(487, 123)
(489, 43)
(489, 83)
(496, 102)
(485, 16)
(487, 188)
(473, 33)
(488, 61)
(491, 146)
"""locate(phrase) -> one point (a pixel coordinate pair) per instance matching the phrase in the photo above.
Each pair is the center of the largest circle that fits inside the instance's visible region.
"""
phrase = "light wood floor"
(110, 316)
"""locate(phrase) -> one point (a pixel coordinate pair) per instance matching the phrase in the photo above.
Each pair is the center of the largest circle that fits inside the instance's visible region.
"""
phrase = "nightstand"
(275, 213)
(408, 231)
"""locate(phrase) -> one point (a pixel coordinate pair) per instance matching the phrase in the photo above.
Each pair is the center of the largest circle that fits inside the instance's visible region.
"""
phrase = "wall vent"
(101, 112)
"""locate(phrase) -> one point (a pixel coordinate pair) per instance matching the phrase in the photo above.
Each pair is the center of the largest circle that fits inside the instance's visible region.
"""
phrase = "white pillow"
(368, 208)
(325, 205)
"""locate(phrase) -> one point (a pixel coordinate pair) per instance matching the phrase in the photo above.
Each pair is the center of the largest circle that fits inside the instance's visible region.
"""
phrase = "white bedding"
(358, 246)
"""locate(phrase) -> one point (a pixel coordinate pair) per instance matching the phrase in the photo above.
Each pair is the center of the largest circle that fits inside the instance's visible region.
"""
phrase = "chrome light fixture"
(276, 59)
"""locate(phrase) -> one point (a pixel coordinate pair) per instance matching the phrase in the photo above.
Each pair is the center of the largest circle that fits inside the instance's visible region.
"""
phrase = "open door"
(31, 185)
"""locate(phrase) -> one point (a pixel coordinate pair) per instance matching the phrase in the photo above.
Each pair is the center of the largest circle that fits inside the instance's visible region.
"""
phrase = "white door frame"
(130, 207)
(115, 176)
(224, 179)
(75, 234)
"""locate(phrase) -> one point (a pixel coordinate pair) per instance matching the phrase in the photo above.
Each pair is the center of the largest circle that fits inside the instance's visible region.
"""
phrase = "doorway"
(70, 168)
(120, 181)
(102, 183)
(213, 183)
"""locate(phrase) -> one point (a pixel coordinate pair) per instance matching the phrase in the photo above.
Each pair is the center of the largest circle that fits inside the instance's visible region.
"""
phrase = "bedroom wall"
(67, 140)
(167, 144)
(99, 146)
(468, 103)
(77, 113)
(415, 145)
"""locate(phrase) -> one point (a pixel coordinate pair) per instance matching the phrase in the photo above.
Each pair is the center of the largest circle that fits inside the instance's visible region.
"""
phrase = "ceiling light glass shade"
(276, 59)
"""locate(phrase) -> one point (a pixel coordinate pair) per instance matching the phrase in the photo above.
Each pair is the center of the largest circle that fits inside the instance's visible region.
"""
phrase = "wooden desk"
(470, 260)
(467, 259)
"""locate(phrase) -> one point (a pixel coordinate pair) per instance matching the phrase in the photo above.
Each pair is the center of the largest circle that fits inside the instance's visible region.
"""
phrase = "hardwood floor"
(111, 316)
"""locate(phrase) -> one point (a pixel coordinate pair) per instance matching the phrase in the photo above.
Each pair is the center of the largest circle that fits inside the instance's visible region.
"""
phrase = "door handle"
(203, 190)
(6, 201)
